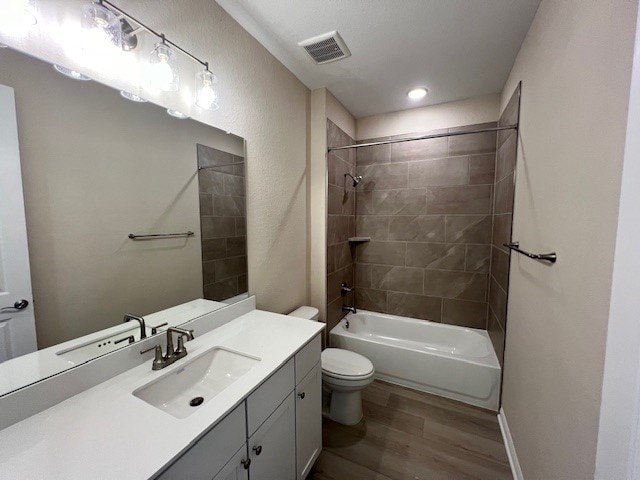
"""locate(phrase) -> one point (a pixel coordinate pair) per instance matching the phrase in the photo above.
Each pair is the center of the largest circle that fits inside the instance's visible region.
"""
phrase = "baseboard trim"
(516, 471)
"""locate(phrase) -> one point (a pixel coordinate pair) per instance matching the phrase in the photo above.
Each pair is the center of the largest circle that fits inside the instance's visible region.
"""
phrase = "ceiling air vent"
(326, 48)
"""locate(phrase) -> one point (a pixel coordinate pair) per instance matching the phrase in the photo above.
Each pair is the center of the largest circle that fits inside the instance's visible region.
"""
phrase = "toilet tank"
(309, 313)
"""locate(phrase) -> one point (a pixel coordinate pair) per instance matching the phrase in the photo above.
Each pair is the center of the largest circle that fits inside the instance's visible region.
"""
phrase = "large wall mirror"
(95, 168)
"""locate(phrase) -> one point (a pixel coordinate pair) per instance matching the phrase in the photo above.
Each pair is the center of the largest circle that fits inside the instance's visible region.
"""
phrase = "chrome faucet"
(143, 328)
(172, 354)
(347, 308)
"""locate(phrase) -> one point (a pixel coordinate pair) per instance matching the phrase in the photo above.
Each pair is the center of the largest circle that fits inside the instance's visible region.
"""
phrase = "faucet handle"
(131, 339)
(154, 330)
(344, 289)
(158, 361)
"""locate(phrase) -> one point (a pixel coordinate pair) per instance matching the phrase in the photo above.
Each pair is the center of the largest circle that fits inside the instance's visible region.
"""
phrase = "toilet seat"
(345, 365)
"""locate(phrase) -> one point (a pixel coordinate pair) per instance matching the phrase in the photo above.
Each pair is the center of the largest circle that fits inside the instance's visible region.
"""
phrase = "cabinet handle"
(301, 395)
(257, 449)
(246, 463)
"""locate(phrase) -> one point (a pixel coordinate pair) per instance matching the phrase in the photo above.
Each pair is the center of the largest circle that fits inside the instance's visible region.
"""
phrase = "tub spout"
(347, 308)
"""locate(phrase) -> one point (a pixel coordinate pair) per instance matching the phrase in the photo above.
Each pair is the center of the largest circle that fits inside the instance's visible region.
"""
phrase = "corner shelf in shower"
(359, 239)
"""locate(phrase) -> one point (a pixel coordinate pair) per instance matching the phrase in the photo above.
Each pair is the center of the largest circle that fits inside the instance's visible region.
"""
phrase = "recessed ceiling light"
(71, 73)
(132, 96)
(177, 114)
(417, 93)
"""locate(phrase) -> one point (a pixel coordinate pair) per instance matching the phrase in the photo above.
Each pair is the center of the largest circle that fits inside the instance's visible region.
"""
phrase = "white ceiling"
(456, 48)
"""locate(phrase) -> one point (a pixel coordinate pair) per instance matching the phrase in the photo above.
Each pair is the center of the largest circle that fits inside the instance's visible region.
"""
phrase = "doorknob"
(19, 305)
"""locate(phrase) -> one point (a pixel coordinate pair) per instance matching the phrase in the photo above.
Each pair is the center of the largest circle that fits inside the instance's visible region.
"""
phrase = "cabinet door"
(235, 469)
(272, 448)
(211, 452)
(308, 421)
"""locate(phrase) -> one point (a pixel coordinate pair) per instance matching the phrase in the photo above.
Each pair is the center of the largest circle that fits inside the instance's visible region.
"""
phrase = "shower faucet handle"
(344, 289)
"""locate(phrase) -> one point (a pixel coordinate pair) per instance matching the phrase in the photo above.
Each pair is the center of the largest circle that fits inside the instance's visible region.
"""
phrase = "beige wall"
(575, 67)
(318, 201)
(445, 115)
(95, 168)
(261, 101)
(340, 115)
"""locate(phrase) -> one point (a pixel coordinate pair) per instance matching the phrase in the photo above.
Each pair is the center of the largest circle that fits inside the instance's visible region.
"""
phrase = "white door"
(273, 446)
(236, 469)
(308, 421)
(17, 325)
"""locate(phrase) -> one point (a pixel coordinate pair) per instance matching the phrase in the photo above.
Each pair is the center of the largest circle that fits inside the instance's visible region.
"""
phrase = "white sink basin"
(197, 381)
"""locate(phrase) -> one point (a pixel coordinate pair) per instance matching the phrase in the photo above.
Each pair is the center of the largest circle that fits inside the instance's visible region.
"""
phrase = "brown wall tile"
(506, 156)
(478, 258)
(381, 253)
(397, 202)
(383, 177)
(363, 275)
(419, 149)
(436, 256)
(482, 169)
(218, 227)
(230, 267)
(206, 204)
(415, 306)
(372, 300)
(501, 230)
(496, 334)
(374, 226)
(464, 313)
(500, 267)
(469, 199)
(498, 302)
(236, 246)
(468, 229)
(397, 279)
(221, 290)
(461, 285)
(443, 171)
(423, 228)
(214, 248)
(373, 155)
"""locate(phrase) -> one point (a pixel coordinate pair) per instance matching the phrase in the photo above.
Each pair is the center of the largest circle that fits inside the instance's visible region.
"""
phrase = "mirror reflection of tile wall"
(223, 223)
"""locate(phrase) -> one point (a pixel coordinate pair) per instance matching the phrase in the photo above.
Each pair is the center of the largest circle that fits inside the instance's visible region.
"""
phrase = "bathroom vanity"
(244, 403)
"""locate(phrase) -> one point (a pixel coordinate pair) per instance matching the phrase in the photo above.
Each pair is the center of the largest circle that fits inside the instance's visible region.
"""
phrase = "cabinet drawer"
(307, 358)
(207, 457)
(269, 395)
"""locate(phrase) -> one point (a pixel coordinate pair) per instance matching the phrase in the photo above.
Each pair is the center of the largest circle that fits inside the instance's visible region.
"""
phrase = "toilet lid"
(345, 363)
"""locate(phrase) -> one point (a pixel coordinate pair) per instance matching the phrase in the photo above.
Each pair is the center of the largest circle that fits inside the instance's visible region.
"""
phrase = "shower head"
(356, 180)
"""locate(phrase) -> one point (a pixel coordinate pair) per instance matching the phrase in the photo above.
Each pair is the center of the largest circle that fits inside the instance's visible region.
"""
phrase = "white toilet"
(344, 375)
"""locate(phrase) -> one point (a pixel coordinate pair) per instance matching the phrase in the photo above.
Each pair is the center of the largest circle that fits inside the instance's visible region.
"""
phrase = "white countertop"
(107, 432)
(33, 367)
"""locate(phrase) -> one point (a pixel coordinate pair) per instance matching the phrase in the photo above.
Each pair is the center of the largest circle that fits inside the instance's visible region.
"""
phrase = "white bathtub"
(454, 362)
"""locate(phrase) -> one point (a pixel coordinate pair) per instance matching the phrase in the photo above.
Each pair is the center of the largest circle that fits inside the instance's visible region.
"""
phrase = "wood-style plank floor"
(410, 435)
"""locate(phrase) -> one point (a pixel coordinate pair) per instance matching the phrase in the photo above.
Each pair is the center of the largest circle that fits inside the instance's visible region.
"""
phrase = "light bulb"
(162, 70)
(207, 96)
(177, 114)
(71, 73)
(17, 16)
(132, 96)
(417, 93)
(100, 27)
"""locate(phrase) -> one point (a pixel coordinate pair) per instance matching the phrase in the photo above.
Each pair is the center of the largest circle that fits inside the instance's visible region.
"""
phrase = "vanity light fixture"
(207, 96)
(163, 68)
(71, 73)
(99, 25)
(177, 114)
(133, 97)
(417, 93)
(16, 16)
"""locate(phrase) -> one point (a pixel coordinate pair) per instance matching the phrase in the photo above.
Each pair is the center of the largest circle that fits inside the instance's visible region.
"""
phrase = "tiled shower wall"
(223, 223)
(340, 222)
(502, 216)
(427, 207)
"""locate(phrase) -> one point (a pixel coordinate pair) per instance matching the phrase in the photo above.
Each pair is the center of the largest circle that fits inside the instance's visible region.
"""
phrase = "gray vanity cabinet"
(272, 448)
(308, 422)
(235, 468)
